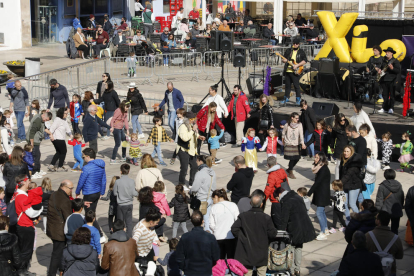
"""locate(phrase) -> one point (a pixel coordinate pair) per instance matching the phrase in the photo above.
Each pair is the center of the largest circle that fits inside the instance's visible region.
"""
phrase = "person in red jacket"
(206, 120)
(239, 109)
(276, 177)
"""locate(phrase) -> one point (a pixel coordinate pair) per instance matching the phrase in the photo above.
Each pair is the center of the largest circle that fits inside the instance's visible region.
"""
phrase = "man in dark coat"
(254, 230)
(241, 181)
(90, 129)
(358, 142)
(308, 120)
(60, 207)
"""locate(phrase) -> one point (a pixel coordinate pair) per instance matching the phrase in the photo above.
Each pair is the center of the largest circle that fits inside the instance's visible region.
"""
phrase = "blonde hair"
(213, 132)
(47, 184)
(248, 131)
(147, 162)
(273, 130)
(6, 112)
(269, 100)
(159, 186)
(351, 148)
(32, 185)
(134, 135)
(111, 186)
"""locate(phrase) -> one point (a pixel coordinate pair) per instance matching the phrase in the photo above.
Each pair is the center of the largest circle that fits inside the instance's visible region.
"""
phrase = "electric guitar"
(383, 71)
(291, 62)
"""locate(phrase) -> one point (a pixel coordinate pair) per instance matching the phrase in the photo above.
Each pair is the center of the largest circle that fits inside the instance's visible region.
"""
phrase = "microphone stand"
(350, 79)
(375, 95)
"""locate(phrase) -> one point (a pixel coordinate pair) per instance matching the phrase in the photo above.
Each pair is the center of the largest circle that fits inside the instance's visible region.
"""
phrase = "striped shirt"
(144, 238)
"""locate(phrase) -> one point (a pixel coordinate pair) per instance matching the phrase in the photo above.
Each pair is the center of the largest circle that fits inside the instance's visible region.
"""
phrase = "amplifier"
(329, 66)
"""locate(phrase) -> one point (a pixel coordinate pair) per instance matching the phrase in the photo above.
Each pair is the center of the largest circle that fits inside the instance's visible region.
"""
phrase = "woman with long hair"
(111, 101)
(207, 119)
(86, 102)
(100, 88)
(138, 107)
(148, 174)
(339, 139)
(144, 234)
(292, 138)
(360, 117)
(118, 123)
(265, 116)
(14, 167)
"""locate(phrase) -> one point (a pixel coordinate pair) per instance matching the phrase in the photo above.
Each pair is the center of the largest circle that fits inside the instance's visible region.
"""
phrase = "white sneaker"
(386, 168)
(141, 136)
(381, 110)
(103, 240)
(36, 176)
(42, 172)
(390, 111)
(321, 237)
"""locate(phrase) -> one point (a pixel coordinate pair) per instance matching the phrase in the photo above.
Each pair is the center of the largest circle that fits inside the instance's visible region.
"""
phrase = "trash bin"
(32, 66)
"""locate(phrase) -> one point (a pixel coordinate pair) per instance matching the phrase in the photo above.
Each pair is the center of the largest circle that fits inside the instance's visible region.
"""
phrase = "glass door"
(44, 24)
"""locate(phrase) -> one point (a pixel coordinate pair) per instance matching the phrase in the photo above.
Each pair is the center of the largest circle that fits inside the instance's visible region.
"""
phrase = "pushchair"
(280, 255)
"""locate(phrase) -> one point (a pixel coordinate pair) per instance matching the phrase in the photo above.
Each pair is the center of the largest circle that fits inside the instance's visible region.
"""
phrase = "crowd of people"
(230, 233)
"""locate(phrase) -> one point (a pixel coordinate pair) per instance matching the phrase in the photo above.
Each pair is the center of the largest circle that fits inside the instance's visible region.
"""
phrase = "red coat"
(202, 118)
(271, 145)
(275, 179)
(242, 107)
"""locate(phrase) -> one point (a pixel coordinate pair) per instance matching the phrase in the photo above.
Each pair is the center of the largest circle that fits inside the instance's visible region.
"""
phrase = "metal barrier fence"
(267, 57)
(143, 69)
(213, 62)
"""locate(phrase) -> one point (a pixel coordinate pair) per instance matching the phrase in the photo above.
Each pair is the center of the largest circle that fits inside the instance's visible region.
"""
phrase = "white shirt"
(138, 6)
(222, 216)
(2, 182)
(221, 105)
(362, 118)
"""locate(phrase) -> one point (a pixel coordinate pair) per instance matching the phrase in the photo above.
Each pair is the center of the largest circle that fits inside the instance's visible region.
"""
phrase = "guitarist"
(298, 55)
(373, 64)
(388, 81)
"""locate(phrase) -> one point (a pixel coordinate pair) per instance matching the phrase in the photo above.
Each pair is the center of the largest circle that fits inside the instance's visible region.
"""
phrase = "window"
(293, 8)
(117, 6)
(69, 3)
(95, 6)
(264, 8)
(101, 6)
(86, 7)
(69, 7)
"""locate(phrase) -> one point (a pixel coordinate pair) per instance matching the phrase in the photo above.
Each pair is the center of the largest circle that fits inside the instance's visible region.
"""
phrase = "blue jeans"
(351, 199)
(165, 58)
(323, 222)
(274, 42)
(171, 119)
(311, 146)
(21, 134)
(370, 189)
(135, 124)
(119, 136)
(207, 215)
(107, 115)
(157, 150)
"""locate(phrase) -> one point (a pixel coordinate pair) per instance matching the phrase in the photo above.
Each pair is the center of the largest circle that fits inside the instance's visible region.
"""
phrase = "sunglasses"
(343, 120)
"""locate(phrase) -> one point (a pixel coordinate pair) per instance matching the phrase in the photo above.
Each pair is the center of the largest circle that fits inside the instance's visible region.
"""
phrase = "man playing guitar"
(298, 55)
(373, 64)
(392, 69)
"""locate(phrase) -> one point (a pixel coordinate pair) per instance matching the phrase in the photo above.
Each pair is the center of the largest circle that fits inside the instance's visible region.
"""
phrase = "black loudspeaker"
(323, 110)
(239, 57)
(253, 56)
(221, 41)
(255, 84)
(329, 66)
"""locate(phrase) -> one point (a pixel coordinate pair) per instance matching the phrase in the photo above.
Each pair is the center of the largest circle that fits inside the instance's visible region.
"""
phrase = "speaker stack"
(239, 57)
(221, 41)
(326, 111)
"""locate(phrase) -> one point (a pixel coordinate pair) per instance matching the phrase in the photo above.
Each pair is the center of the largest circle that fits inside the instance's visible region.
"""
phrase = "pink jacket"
(161, 202)
(235, 266)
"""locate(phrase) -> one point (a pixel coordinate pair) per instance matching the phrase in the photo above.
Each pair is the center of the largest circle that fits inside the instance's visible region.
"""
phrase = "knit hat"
(283, 122)
(91, 16)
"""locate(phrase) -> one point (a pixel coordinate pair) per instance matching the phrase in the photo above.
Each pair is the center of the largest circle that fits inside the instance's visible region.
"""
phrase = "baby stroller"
(280, 256)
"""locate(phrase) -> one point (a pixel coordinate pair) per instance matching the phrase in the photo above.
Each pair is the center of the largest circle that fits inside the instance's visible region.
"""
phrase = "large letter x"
(336, 32)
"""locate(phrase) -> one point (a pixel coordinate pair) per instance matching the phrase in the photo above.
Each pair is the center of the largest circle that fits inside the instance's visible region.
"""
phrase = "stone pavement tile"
(409, 251)
(402, 272)
(319, 273)
(334, 250)
(331, 267)
(315, 245)
(406, 264)
(316, 261)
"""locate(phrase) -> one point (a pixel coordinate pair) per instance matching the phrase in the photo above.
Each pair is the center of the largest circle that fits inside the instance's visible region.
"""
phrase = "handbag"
(264, 124)
(280, 260)
(194, 202)
(204, 204)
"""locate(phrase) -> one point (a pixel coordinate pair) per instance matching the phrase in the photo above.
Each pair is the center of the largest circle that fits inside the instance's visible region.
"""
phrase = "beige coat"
(77, 39)
(147, 177)
(186, 136)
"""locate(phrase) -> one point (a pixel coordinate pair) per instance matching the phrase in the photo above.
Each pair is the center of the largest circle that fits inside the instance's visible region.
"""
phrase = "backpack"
(386, 258)
(11, 212)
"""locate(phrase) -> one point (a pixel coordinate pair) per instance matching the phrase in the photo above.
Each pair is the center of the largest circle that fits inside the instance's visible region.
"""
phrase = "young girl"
(34, 109)
(112, 204)
(271, 142)
(405, 150)
(47, 192)
(75, 112)
(319, 138)
(77, 151)
(248, 147)
(8, 116)
(131, 63)
(386, 145)
(181, 211)
(134, 150)
(159, 198)
(338, 202)
(373, 165)
(178, 122)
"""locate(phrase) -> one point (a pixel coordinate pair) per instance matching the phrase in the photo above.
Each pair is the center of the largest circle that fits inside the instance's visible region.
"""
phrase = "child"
(75, 112)
(372, 144)
(165, 52)
(248, 148)
(3, 205)
(319, 138)
(10, 84)
(28, 158)
(95, 236)
(34, 199)
(159, 198)
(373, 165)
(8, 116)
(134, 150)
(214, 143)
(75, 220)
(10, 134)
(113, 206)
(156, 139)
(303, 192)
(181, 212)
(170, 259)
(338, 202)
(34, 109)
(131, 63)
(386, 145)
(279, 134)
(47, 126)
(47, 192)
(405, 150)
(178, 122)
(4, 157)
(271, 142)
(99, 113)
(77, 151)
(124, 190)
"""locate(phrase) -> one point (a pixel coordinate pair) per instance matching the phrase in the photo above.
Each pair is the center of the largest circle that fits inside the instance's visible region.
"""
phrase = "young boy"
(165, 52)
(158, 135)
(124, 190)
(3, 205)
(279, 134)
(10, 84)
(131, 63)
(178, 122)
(8, 116)
(47, 126)
(372, 144)
(10, 134)
(214, 144)
(303, 192)
(95, 236)
(28, 158)
(75, 220)
(170, 259)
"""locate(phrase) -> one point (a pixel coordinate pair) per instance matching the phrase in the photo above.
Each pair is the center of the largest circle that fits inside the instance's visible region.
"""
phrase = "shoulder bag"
(204, 204)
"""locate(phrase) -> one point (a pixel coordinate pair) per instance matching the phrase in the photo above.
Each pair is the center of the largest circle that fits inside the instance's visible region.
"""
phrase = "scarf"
(316, 168)
(294, 125)
(202, 166)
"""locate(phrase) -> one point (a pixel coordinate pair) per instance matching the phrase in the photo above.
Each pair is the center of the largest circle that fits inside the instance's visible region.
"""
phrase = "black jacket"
(254, 231)
(137, 102)
(339, 139)
(197, 252)
(409, 205)
(90, 127)
(295, 219)
(374, 62)
(59, 97)
(308, 120)
(349, 172)
(266, 113)
(10, 259)
(391, 75)
(321, 189)
(240, 184)
(267, 33)
(300, 56)
(181, 212)
(360, 146)
(363, 221)
(10, 172)
(361, 262)
(107, 26)
(79, 260)
(320, 141)
(143, 210)
(45, 201)
(395, 201)
(312, 33)
(111, 100)
(85, 105)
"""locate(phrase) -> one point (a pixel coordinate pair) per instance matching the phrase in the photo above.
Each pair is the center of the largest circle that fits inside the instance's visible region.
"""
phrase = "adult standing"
(15, 166)
(338, 137)
(59, 129)
(111, 101)
(148, 18)
(360, 117)
(138, 8)
(90, 129)
(265, 116)
(239, 109)
(358, 142)
(174, 100)
(146, 206)
(222, 216)
(144, 234)
(59, 209)
(92, 183)
(321, 192)
(207, 119)
(10, 259)
(58, 97)
(138, 107)
(149, 174)
(389, 80)
(409, 207)
(118, 123)
(100, 88)
(254, 231)
(308, 120)
(292, 138)
(241, 181)
(19, 104)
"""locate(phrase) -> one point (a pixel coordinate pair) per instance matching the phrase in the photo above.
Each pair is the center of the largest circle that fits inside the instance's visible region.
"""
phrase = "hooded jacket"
(111, 100)
(79, 260)
(373, 165)
(181, 211)
(395, 201)
(10, 260)
(339, 139)
(240, 184)
(363, 221)
(161, 202)
(45, 201)
(93, 178)
(119, 255)
(321, 189)
(137, 102)
(242, 107)
(204, 178)
(276, 176)
(308, 119)
(349, 172)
